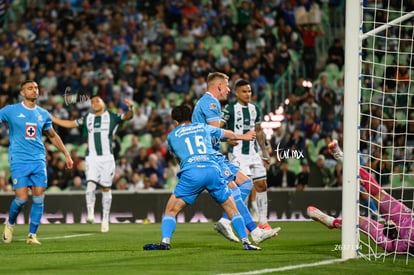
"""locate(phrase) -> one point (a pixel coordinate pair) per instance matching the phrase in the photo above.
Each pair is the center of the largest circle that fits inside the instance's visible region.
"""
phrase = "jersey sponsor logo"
(90, 126)
(191, 129)
(30, 131)
(213, 106)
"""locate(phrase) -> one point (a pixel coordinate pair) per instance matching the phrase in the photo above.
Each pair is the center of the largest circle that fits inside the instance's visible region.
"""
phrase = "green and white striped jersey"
(100, 130)
(241, 119)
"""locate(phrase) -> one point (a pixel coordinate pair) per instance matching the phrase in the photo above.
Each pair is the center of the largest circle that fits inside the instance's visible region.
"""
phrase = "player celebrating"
(101, 126)
(241, 116)
(398, 233)
(208, 111)
(27, 157)
(199, 171)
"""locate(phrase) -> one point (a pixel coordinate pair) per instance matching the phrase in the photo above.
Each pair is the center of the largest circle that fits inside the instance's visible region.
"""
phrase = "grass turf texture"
(195, 249)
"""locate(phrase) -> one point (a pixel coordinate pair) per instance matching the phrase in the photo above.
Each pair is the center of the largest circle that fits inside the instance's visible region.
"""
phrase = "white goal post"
(384, 46)
(350, 188)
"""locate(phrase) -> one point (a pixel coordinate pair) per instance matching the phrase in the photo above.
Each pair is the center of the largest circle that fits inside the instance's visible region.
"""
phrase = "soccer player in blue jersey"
(208, 111)
(199, 171)
(27, 156)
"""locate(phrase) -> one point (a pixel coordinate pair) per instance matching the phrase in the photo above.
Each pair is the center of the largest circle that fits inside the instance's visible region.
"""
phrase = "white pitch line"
(285, 268)
(64, 237)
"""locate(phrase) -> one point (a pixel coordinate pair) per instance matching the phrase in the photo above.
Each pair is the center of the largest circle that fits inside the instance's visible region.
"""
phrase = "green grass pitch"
(300, 248)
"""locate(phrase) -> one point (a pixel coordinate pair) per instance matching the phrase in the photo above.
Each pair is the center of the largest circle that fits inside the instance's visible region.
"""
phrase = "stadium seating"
(145, 140)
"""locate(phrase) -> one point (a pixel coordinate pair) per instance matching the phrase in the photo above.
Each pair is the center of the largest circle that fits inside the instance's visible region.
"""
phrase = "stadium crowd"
(158, 54)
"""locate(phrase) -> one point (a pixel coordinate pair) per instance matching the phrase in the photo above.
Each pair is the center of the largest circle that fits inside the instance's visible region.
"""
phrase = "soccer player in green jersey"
(101, 125)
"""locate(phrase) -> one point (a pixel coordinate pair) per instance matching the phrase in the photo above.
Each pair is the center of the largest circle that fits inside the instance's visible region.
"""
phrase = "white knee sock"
(261, 198)
(90, 198)
(106, 205)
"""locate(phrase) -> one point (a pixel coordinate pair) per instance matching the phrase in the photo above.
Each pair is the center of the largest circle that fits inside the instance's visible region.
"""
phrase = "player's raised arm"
(130, 114)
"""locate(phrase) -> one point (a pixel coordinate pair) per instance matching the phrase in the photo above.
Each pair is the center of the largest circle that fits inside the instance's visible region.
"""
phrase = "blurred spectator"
(171, 174)
(329, 126)
(282, 59)
(301, 90)
(270, 39)
(258, 84)
(243, 14)
(123, 168)
(76, 185)
(59, 111)
(61, 176)
(311, 126)
(254, 41)
(327, 102)
(152, 182)
(153, 172)
(5, 185)
(302, 178)
(337, 174)
(104, 88)
(293, 122)
(4, 135)
(163, 109)
(136, 183)
(336, 53)
(319, 175)
(138, 123)
(309, 56)
(169, 72)
(157, 147)
(181, 82)
(152, 53)
(199, 86)
(292, 38)
(297, 141)
(121, 184)
(76, 158)
(279, 138)
(272, 171)
(321, 87)
(284, 178)
(132, 150)
(155, 125)
(146, 106)
(140, 159)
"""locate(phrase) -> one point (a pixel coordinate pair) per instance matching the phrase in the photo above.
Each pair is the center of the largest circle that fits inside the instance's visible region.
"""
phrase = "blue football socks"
(15, 208)
(167, 227)
(239, 226)
(36, 213)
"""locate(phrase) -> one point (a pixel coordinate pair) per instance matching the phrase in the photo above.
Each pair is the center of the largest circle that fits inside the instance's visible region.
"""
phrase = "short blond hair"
(216, 75)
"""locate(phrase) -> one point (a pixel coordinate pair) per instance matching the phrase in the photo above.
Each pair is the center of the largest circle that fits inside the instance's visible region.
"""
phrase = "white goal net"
(384, 130)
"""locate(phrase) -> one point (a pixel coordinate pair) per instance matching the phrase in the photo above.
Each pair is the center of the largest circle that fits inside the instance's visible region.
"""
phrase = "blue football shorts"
(29, 174)
(194, 181)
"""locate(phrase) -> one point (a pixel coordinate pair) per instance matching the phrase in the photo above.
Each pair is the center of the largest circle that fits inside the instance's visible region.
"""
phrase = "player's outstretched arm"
(251, 135)
(63, 122)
